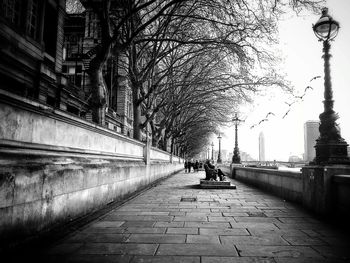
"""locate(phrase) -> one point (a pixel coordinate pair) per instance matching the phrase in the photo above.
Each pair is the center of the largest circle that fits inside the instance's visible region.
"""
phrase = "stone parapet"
(285, 184)
(55, 168)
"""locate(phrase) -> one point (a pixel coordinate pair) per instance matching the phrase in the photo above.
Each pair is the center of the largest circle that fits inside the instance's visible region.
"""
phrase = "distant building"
(311, 133)
(294, 158)
(261, 147)
(230, 155)
(224, 154)
(246, 157)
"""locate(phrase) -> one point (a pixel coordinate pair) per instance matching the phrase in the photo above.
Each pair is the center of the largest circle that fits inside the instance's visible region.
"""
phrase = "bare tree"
(198, 45)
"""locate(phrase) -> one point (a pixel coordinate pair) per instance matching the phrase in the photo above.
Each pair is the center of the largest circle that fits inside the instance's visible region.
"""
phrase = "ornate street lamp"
(236, 158)
(219, 154)
(330, 147)
(212, 151)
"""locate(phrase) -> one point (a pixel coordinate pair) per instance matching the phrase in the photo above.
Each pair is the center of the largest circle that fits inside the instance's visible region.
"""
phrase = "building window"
(74, 74)
(129, 110)
(129, 105)
(73, 46)
(33, 18)
(25, 15)
(73, 110)
(79, 69)
(11, 11)
(50, 29)
(51, 101)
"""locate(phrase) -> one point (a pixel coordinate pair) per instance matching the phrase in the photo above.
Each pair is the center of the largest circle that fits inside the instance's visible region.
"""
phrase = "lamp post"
(236, 158)
(219, 154)
(212, 151)
(330, 147)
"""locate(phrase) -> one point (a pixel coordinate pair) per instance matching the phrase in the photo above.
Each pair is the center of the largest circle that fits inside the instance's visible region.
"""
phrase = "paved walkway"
(242, 225)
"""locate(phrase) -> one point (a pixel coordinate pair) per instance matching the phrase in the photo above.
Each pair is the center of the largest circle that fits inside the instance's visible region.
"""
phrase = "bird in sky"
(316, 77)
(308, 87)
(270, 113)
(286, 114)
(263, 120)
(300, 97)
(289, 104)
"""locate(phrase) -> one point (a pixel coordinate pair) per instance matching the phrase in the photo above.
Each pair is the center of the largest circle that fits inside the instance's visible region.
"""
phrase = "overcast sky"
(303, 61)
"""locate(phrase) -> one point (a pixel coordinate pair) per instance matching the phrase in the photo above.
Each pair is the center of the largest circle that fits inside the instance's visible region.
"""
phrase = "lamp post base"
(236, 159)
(219, 160)
(331, 153)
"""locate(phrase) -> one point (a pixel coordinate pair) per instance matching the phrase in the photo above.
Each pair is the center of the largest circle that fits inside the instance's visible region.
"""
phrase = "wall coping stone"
(47, 111)
(342, 178)
(272, 171)
(26, 148)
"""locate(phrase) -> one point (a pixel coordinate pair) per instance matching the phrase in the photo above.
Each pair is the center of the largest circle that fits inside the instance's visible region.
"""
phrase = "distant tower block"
(311, 133)
(261, 147)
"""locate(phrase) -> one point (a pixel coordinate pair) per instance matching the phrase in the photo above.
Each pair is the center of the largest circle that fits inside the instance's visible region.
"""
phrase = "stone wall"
(287, 185)
(157, 154)
(55, 168)
(325, 189)
(341, 188)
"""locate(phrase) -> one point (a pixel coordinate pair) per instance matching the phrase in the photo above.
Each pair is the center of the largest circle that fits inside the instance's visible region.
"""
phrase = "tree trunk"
(154, 141)
(137, 114)
(155, 135)
(165, 143)
(99, 96)
(172, 149)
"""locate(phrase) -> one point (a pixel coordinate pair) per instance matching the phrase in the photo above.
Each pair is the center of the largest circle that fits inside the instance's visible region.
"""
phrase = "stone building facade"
(31, 40)
(81, 38)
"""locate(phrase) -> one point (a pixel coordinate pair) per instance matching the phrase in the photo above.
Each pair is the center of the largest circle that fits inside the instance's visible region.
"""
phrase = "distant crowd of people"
(189, 165)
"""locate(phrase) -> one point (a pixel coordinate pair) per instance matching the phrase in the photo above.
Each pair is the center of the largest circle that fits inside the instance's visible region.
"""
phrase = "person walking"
(189, 164)
(196, 166)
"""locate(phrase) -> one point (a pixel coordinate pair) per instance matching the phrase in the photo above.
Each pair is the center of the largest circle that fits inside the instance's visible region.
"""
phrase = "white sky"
(303, 61)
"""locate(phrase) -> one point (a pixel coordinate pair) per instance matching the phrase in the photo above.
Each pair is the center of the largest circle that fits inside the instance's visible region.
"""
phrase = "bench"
(210, 184)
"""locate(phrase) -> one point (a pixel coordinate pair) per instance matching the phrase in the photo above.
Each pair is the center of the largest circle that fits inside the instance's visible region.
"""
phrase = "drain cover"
(256, 214)
(188, 199)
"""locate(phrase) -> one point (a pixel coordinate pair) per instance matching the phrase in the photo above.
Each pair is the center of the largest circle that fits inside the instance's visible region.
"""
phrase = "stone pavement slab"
(165, 259)
(278, 251)
(197, 250)
(203, 239)
(254, 240)
(156, 238)
(165, 224)
(237, 260)
(145, 230)
(117, 249)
